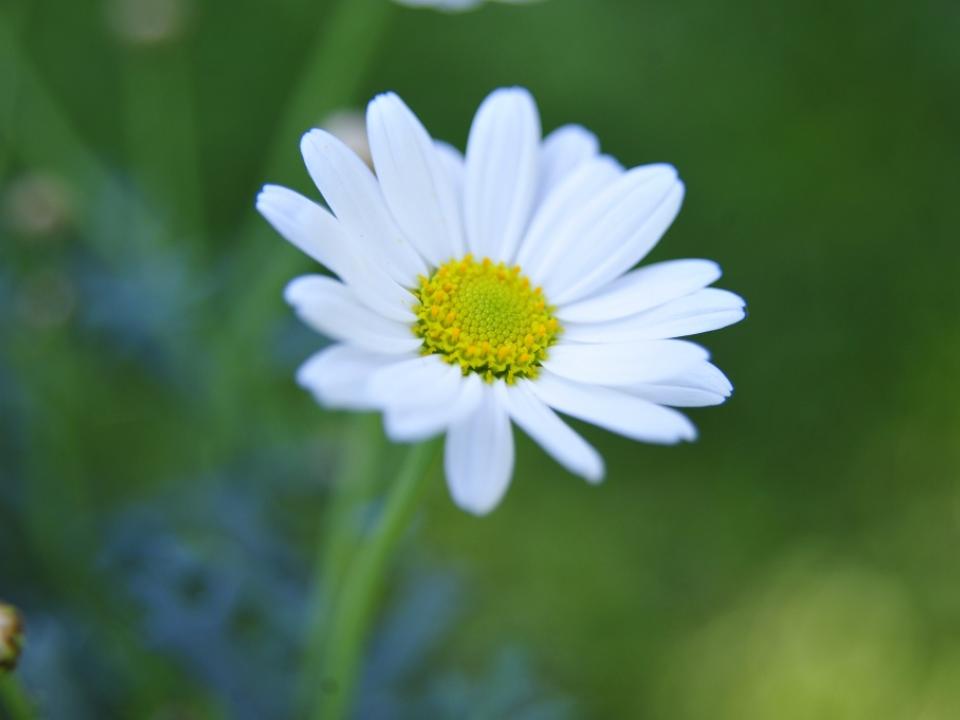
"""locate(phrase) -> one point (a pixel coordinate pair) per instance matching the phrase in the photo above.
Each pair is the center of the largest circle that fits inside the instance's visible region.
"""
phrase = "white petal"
(377, 290)
(319, 234)
(705, 376)
(453, 164)
(415, 184)
(423, 379)
(306, 225)
(623, 363)
(614, 410)
(563, 151)
(600, 224)
(620, 240)
(502, 166)
(331, 308)
(543, 244)
(338, 376)
(353, 194)
(422, 396)
(641, 290)
(704, 310)
(550, 432)
(675, 395)
(700, 385)
(423, 418)
(478, 457)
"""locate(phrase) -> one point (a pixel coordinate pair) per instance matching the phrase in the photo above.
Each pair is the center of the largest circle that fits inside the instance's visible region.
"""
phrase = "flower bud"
(11, 637)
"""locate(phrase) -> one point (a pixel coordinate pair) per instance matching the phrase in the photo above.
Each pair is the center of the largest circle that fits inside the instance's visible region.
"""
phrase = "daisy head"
(473, 292)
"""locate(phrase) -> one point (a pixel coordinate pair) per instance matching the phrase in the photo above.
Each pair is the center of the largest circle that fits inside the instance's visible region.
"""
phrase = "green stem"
(353, 487)
(13, 701)
(357, 601)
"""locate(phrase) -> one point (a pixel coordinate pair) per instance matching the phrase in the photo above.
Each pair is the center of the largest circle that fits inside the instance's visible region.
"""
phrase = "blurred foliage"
(162, 480)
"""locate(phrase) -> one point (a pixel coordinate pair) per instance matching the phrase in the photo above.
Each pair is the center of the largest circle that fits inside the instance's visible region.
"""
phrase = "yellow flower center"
(486, 318)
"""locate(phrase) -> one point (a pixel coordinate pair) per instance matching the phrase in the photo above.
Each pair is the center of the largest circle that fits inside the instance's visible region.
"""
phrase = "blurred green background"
(163, 481)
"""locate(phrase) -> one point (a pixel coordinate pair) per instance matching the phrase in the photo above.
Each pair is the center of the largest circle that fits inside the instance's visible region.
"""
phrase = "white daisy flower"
(499, 287)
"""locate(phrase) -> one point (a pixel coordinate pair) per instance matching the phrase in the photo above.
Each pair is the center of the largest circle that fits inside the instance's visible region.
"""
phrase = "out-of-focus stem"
(356, 602)
(13, 701)
(353, 487)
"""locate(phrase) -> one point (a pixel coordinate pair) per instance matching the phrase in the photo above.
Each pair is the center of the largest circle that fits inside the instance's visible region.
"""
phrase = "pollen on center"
(486, 317)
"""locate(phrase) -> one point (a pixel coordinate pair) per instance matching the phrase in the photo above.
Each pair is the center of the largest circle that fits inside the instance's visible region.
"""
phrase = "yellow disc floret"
(486, 318)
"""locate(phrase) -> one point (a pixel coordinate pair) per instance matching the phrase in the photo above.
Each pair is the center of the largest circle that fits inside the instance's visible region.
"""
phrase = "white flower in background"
(458, 5)
(475, 291)
(148, 22)
(350, 127)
